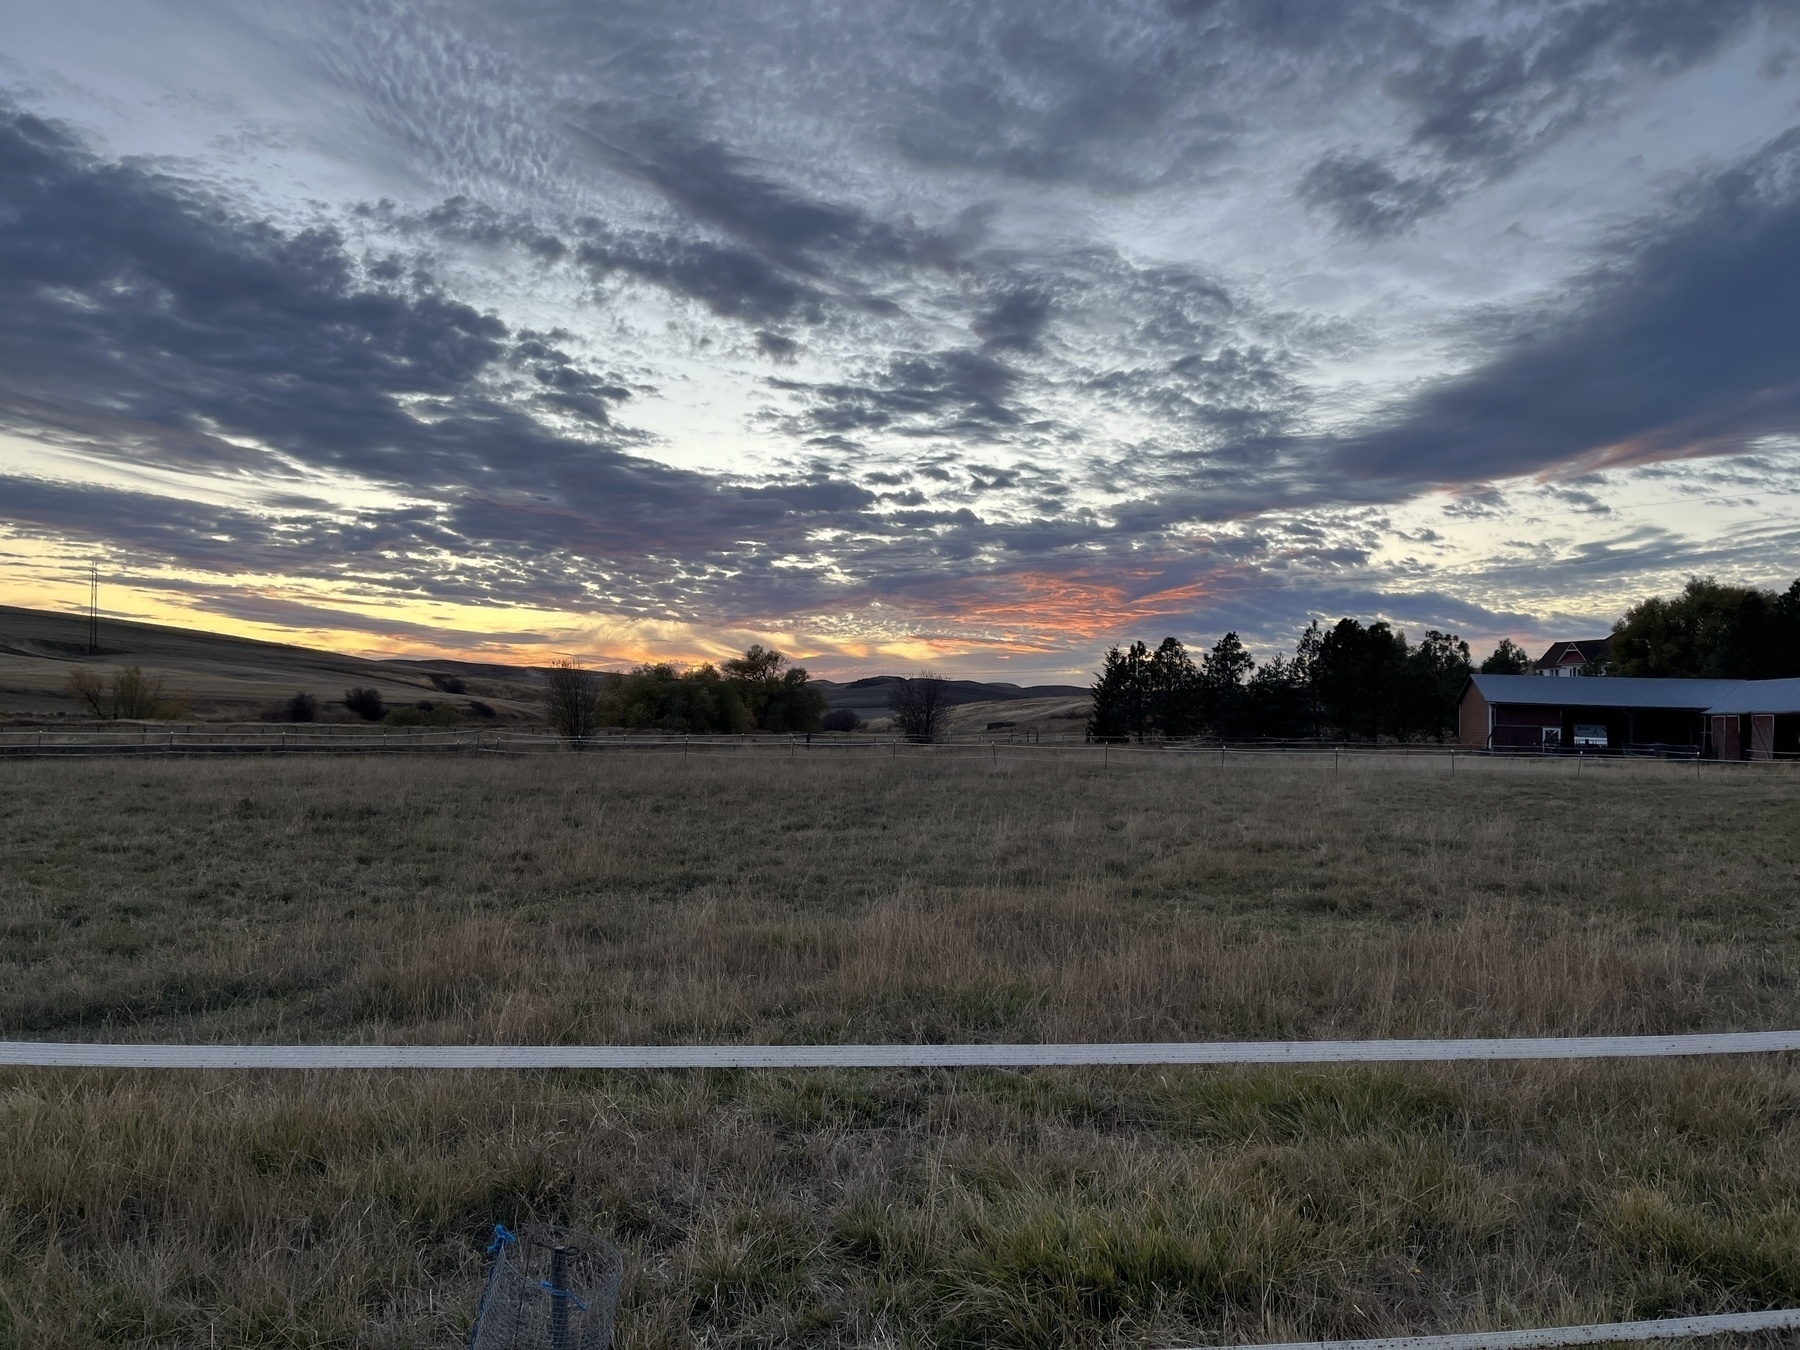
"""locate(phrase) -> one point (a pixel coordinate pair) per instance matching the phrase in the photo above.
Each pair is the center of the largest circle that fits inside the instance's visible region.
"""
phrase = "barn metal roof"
(1761, 696)
(1611, 691)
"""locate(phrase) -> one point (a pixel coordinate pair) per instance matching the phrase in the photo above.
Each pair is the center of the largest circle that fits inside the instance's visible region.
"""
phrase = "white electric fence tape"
(1662, 1329)
(87, 1055)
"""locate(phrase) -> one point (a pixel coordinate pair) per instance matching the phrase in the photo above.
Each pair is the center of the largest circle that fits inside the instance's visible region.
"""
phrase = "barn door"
(1725, 738)
(1762, 736)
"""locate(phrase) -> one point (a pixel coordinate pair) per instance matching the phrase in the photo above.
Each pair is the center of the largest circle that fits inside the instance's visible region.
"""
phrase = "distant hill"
(233, 678)
(229, 678)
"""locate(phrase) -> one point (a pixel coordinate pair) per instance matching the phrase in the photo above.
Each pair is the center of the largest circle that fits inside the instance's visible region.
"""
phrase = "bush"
(129, 694)
(481, 709)
(841, 719)
(302, 707)
(449, 684)
(365, 703)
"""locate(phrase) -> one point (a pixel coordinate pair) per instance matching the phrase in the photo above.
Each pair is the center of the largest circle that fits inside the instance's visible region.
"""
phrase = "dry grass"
(607, 898)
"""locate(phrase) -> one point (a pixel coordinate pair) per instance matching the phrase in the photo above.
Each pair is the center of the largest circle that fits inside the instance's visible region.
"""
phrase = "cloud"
(1368, 199)
(1680, 343)
(957, 393)
(982, 320)
(1014, 323)
(1479, 105)
(714, 185)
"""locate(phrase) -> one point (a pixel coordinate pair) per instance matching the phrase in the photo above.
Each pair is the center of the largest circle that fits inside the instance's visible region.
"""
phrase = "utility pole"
(93, 609)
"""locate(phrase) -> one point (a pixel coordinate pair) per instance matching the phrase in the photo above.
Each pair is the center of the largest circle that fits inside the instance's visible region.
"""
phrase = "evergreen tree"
(1172, 694)
(1223, 677)
(1121, 695)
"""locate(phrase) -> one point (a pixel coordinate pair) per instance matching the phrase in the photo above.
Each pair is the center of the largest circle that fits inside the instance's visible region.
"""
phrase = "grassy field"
(609, 898)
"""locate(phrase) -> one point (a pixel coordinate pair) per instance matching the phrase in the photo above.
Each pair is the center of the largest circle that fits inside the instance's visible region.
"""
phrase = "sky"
(964, 337)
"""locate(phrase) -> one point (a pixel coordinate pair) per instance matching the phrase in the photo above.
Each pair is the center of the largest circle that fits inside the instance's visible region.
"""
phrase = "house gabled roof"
(1589, 649)
(1610, 691)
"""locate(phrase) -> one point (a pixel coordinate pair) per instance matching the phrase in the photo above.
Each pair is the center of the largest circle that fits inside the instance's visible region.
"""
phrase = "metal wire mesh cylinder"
(548, 1289)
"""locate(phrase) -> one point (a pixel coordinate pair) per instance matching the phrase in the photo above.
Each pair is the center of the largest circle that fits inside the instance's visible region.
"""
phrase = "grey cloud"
(1683, 343)
(1368, 199)
(1014, 323)
(733, 283)
(1487, 97)
(1480, 104)
(714, 185)
(952, 393)
(777, 346)
(731, 280)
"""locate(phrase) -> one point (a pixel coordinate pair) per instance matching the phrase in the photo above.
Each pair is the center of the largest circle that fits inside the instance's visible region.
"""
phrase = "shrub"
(129, 694)
(302, 707)
(365, 703)
(481, 709)
(841, 719)
(90, 691)
(449, 684)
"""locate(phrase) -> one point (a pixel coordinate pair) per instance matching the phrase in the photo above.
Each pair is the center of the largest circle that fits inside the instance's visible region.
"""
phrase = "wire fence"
(191, 740)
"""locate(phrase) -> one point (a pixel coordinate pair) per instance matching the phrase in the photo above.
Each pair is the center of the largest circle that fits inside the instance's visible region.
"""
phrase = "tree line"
(1352, 680)
(1711, 630)
(758, 691)
(1367, 682)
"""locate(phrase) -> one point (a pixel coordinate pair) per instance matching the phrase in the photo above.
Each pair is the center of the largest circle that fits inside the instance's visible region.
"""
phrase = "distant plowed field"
(605, 898)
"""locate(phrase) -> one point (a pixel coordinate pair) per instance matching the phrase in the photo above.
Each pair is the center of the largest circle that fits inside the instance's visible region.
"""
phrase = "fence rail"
(129, 1055)
(1603, 1333)
(48, 742)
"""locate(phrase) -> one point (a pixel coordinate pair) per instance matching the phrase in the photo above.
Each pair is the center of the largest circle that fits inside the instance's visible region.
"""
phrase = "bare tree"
(918, 707)
(572, 699)
(130, 694)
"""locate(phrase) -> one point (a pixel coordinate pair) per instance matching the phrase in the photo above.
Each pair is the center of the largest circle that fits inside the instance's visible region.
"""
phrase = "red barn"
(1760, 719)
(1524, 712)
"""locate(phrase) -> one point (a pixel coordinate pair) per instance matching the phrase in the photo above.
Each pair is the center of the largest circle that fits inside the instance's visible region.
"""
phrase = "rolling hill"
(224, 678)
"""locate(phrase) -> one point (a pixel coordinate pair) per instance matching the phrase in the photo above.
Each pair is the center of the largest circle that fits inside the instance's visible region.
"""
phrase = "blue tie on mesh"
(562, 1293)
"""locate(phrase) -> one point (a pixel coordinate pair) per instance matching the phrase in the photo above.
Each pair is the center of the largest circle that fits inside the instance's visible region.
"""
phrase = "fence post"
(559, 1298)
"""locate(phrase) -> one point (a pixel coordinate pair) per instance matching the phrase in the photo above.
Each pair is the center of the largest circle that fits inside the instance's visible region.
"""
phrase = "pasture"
(609, 897)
